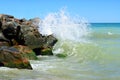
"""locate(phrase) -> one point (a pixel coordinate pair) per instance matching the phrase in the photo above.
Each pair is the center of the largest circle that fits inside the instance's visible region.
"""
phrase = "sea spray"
(63, 26)
(69, 30)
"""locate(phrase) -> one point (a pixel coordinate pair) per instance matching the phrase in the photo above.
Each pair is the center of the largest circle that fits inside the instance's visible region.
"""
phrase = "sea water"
(92, 49)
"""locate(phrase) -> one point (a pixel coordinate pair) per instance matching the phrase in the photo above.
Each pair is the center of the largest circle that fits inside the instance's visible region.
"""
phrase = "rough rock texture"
(46, 48)
(24, 32)
(22, 40)
(26, 52)
(12, 57)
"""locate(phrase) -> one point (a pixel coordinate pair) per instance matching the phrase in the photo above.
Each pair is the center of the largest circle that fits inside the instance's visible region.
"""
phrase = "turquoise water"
(95, 57)
(107, 36)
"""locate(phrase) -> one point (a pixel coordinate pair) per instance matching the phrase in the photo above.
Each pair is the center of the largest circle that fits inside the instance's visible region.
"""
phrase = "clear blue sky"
(92, 10)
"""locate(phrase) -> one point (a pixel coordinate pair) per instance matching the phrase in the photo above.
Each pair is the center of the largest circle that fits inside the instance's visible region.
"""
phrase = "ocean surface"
(93, 52)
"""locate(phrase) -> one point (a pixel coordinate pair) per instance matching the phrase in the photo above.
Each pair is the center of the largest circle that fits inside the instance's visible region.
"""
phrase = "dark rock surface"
(20, 40)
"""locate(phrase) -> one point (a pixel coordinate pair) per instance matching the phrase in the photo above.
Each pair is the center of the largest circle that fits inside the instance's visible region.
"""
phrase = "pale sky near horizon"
(92, 10)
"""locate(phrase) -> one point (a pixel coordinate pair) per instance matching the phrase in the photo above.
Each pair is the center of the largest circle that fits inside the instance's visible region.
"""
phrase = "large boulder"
(21, 41)
(12, 57)
(25, 32)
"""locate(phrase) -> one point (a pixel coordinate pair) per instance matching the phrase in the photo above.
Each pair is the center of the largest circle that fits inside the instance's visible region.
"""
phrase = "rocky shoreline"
(20, 41)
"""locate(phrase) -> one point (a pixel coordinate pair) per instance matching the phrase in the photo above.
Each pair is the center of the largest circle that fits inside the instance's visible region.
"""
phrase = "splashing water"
(63, 26)
(97, 60)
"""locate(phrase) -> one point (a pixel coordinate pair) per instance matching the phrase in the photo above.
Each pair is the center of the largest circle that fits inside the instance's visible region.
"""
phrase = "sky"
(92, 10)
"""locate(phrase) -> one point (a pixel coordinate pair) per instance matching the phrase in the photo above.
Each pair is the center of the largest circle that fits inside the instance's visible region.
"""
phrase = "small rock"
(46, 51)
(61, 55)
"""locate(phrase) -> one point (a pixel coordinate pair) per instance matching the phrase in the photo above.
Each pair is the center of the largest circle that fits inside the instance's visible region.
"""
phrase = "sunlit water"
(93, 52)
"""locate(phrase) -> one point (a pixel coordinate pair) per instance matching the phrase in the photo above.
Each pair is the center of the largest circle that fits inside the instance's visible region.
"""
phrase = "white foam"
(110, 33)
(63, 26)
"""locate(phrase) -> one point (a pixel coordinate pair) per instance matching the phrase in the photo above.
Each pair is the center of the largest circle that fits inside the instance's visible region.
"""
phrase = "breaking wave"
(63, 26)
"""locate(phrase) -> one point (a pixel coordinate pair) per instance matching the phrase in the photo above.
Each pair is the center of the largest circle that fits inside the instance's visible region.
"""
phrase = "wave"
(63, 26)
(75, 38)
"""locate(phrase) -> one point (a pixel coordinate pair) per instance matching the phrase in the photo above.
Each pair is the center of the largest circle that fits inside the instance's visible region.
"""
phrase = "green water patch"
(86, 52)
(79, 51)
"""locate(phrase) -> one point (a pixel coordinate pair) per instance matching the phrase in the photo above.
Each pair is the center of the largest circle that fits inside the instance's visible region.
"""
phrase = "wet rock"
(43, 51)
(4, 43)
(23, 41)
(46, 51)
(49, 41)
(61, 55)
(12, 57)
(26, 52)
(47, 46)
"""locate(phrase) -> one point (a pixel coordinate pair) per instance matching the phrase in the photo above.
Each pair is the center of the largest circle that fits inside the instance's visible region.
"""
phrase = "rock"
(20, 41)
(46, 48)
(8, 30)
(35, 21)
(49, 41)
(43, 51)
(4, 43)
(61, 55)
(22, 20)
(2, 38)
(25, 32)
(0, 24)
(46, 51)
(31, 37)
(26, 52)
(12, 57)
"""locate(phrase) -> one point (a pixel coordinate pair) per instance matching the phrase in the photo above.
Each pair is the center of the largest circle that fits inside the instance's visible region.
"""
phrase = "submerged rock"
(61, 55)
